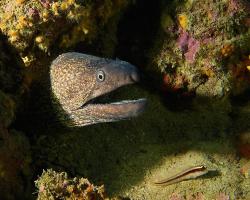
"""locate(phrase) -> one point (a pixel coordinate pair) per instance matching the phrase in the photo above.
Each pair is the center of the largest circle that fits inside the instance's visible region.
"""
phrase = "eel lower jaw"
(129, 101)
(117, 110)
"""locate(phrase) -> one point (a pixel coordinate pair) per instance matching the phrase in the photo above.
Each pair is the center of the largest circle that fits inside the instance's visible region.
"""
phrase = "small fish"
(190, 173)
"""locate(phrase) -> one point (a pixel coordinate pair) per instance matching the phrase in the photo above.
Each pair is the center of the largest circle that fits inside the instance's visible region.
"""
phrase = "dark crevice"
(137, 31)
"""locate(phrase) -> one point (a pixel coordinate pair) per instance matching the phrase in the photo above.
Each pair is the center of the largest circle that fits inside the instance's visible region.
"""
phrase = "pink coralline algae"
(188, 45)
(34, 13)
(45, 3)
(222, 196)
(182, 41)
(234, 5)
(176, 196)
(193, 47)
(207, 40)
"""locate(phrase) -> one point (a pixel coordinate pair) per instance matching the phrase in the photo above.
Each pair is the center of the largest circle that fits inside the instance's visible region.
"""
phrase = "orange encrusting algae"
(227, 50)
(183, 20)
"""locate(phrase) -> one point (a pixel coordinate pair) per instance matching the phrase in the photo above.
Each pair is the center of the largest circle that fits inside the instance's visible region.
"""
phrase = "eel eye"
(100, 76)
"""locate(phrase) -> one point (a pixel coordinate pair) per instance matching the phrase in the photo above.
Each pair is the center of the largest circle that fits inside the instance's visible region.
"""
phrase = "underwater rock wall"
(31, 33)
(15, 155)
(53, 185)
(203, 47)
(40, 27)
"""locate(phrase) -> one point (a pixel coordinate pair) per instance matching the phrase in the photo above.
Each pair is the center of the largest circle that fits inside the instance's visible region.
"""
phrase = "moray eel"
(78, 80)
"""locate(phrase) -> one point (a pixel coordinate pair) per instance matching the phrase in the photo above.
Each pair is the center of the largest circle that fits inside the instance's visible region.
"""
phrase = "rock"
(207, 44)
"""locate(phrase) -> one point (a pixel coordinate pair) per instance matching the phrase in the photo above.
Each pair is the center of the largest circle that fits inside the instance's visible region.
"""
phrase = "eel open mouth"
(80, 81)
(102, 110)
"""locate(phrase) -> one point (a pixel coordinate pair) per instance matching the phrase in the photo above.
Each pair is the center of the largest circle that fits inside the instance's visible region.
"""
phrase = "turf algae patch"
(226, 181)
(128, 155)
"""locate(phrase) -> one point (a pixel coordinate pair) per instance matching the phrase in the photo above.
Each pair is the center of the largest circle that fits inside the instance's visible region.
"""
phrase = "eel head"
(78, 81)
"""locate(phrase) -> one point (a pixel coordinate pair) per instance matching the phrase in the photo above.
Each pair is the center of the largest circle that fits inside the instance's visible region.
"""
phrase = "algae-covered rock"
(202, 48)
(11, 73)
(33, 26)
(15, 156)
(124, 155)
(15, 159)
(205, 47)
(11, 82)
(57, 185)
(7, 109)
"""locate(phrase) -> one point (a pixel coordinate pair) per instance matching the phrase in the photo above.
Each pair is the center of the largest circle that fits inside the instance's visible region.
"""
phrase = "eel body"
(79, 80)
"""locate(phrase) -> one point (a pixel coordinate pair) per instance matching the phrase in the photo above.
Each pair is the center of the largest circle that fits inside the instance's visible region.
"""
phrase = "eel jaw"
(118, 110)
(108, 112)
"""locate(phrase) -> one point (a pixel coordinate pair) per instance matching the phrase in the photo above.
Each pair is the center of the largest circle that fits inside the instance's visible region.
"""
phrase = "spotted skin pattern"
(77, 79)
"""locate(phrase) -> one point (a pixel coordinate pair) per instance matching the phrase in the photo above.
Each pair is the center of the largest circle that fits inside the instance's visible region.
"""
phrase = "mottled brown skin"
(77, 78)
